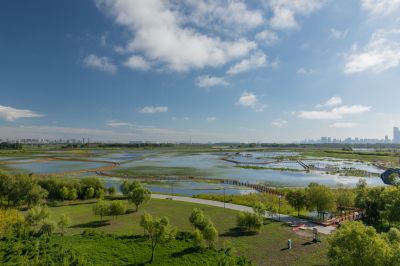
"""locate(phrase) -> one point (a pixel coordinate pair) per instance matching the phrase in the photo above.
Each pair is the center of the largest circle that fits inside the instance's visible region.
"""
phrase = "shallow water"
(209, 165)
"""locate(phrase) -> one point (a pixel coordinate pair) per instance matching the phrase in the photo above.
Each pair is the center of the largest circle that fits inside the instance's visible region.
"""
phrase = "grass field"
(266, 248)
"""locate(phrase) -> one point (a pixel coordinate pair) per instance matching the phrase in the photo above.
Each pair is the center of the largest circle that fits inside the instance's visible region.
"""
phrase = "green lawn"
(266, 248)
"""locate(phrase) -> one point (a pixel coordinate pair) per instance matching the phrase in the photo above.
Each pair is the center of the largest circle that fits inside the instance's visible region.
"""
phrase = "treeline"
(10, 146)
(22, 189)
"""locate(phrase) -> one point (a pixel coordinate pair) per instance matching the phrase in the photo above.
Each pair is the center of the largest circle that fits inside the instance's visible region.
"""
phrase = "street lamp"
(224, 197)
(279, 207)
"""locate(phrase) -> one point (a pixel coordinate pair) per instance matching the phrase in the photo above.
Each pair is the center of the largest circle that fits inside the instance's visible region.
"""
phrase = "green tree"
(345, 199)
(197, 219)
(127, 187)
(63, 222)
(73, 194)
(36, 195)
(210, 234)
(355, 244)
(101, 208)
(320, 198)
(297, 199)
(37, 214)
(117, 207)
(157, 229)
(139, 195)
(250, 221)
(111, 191)
(64, 193)
(259, 208)
(89, 193)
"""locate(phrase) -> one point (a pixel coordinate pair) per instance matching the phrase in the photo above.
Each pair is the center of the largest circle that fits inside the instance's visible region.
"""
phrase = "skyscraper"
(396, 135)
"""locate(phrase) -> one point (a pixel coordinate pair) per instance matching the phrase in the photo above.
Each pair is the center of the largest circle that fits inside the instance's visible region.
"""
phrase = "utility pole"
(224, 197)
(279, 208)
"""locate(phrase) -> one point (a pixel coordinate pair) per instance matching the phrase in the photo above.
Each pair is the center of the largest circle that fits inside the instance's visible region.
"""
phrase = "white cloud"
(343, 125)
(154, 109)
(211, 119)
(255, 61)
(234, 15)
(138, 62)
(285, 11)
(333, 101)
(11, 114)
(268, 37)
(278, 122)
(100, 63)
(381, 53)
(249, 99)
(305, 71)
(335, 113)
(337, 34)
(160, 34)
(116, 123)
(210, 81)
(381, 7)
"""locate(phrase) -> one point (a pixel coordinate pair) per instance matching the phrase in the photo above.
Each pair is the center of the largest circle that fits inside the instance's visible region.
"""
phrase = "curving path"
(283, 217)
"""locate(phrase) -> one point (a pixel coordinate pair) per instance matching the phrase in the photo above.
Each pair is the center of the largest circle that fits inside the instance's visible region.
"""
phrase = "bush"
(250, 221)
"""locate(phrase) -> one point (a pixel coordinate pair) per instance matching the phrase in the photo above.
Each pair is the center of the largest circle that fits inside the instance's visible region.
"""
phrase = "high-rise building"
(396, 135)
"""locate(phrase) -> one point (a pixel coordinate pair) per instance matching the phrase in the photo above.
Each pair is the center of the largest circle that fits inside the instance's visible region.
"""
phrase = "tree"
(9, 221)
(320, 198)
(64, 193)
(344, 199)
(117, 207)
(297, 199)
(111, 191)
(158, 230)
(36, 195)
(101, 209)
(89, 193)
(210, 234)
(127, 187)
(250, 221)
(63, 222)
(139, 195)
(358, 245)
(37, 214)
(73, 194)
(197, 219)
(259, 208)
(47, 228)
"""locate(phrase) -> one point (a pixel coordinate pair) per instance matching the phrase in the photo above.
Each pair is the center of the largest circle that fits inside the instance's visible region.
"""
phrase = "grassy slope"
(266, 248)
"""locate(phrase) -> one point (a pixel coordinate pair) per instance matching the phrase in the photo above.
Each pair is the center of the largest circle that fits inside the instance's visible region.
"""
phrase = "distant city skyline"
(212, 71)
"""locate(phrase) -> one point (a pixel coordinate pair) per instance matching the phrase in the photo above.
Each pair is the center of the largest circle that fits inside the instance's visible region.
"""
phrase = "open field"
(266, 248)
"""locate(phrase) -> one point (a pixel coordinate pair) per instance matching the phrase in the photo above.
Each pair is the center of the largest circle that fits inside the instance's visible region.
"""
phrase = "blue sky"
(158, 70)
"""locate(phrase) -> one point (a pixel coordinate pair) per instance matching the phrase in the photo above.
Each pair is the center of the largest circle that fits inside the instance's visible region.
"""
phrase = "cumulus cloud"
(210, 81)
(232, 14)
(335, 113)
(255, 61)
(154, 109)
(160, 33)
(211, 119)
(337, 34)
(11, 114)
(381, 53)
(285, 11)
(278, 122)
(381, 7)
(250, 100)
(100, 63)
(138, 62)
(343, 125)
(267, 36)
(333, 101)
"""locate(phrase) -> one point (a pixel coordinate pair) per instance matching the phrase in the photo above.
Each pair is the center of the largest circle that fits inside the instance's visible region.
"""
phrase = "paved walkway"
(283, 217)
